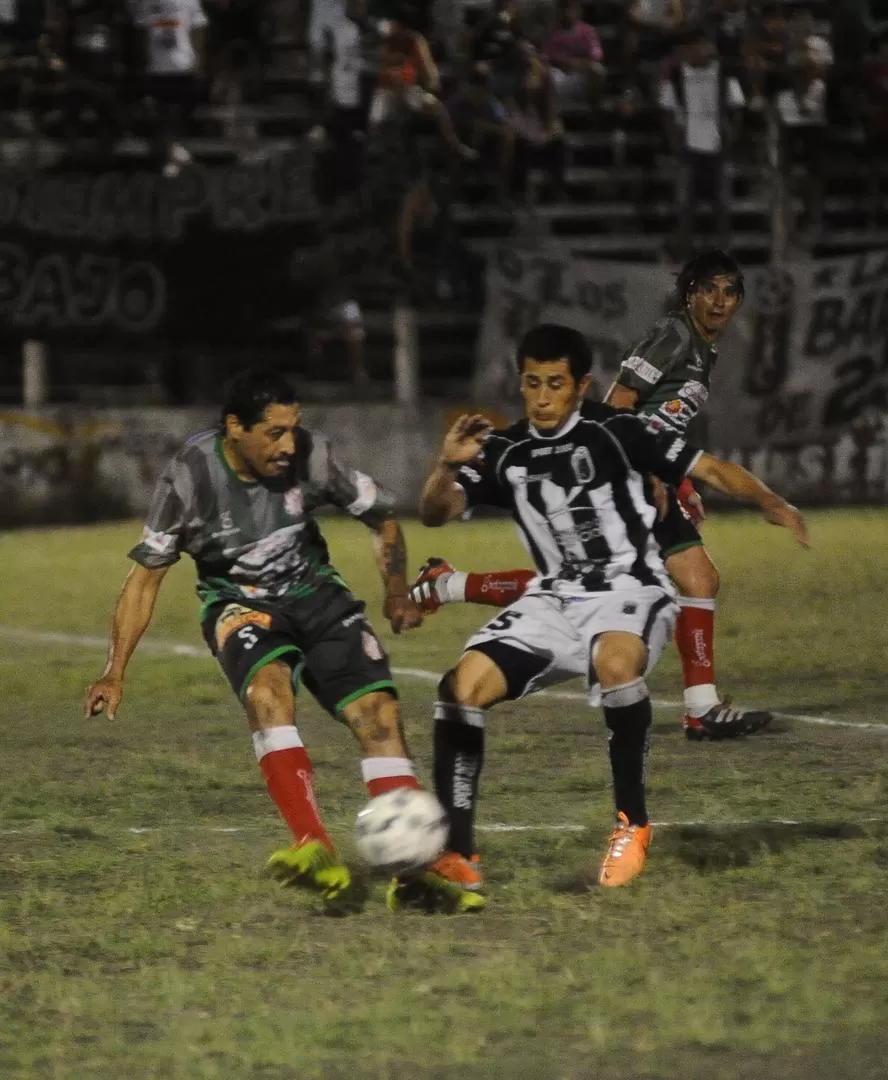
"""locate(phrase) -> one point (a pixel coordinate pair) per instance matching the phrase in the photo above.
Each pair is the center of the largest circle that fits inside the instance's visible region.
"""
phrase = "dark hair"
(704, 267)
(552, 342)
(249, 394)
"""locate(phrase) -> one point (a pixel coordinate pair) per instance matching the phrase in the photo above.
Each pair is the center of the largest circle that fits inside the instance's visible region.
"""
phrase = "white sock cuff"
(619, 697)
(380, 768)
(459, 714)
(700, 699)
(703, 602)
(268, 740)
(455, 587)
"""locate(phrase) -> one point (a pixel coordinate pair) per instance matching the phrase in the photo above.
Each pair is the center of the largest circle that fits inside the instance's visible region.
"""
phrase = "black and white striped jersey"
(580, 497)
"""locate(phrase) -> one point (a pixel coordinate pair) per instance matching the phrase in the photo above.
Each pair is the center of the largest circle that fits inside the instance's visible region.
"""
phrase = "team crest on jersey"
(673, 408)
(293, 502)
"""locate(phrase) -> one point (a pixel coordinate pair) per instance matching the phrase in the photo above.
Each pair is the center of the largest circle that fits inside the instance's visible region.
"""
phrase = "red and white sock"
(694, 633)
(498, 588)
(286, 766)
(383, 774)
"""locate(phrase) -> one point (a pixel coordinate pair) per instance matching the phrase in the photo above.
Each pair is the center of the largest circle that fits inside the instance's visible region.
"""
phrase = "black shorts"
(677, 530)
(324, 637)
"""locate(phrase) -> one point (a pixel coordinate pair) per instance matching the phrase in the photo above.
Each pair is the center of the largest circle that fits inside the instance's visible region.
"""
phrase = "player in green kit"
(240, 500)
(664, 377)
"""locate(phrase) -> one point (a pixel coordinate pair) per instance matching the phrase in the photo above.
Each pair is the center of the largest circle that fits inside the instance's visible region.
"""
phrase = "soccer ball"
(402, 830)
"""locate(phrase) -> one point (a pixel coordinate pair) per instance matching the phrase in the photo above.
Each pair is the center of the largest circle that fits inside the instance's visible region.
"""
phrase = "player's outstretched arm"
(741, 484)
(133, 612)
(390, 549)
(442, 498)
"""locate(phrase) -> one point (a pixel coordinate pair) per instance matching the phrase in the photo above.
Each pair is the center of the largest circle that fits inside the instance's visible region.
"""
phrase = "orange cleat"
(626, 853)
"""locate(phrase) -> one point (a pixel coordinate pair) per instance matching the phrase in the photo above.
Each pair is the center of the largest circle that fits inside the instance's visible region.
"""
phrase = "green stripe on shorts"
(275, 654)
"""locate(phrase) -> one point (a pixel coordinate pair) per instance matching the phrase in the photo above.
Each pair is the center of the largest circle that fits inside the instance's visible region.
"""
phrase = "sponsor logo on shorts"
(630, 609)
(643, 369)
(372, 648)
(236, 616)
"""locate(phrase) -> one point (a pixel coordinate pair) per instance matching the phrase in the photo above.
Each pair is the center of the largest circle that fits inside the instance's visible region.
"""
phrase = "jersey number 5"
(248, 637)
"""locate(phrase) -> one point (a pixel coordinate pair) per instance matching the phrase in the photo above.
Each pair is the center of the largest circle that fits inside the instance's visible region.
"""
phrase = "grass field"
(137, 939)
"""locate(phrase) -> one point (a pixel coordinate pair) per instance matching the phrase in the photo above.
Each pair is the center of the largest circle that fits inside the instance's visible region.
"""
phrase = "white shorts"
(544, 639)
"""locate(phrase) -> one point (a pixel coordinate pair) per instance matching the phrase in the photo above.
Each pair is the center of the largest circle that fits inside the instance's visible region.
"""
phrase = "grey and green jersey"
(670, 368)
(253, 542)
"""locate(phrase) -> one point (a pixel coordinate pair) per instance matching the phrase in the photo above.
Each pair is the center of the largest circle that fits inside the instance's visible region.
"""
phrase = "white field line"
(172, 648)
(491, 827)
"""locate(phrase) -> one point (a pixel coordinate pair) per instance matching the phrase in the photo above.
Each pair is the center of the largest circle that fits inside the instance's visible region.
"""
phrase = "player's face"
(551, 394)
(714, 303)
(267, 448)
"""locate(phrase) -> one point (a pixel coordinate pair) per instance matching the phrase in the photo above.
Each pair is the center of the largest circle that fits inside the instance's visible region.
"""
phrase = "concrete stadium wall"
(67, 465)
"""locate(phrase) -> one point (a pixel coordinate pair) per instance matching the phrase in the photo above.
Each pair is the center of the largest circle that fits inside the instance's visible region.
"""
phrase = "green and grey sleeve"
(653, 357)
(163, 535)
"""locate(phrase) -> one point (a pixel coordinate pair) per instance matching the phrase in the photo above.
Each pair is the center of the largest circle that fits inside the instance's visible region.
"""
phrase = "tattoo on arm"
(394, 557)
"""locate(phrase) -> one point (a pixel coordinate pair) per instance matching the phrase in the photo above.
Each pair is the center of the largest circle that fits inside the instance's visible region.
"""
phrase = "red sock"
(288, 776)
(694, 632)
(383, 774)
(499, 588)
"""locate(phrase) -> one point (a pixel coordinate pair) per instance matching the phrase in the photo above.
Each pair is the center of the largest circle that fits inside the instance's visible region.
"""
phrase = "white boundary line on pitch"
(491, 827)
(172, 648)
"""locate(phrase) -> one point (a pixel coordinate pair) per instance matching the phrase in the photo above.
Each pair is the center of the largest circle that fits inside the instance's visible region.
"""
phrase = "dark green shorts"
(324, 637)
(677, 530)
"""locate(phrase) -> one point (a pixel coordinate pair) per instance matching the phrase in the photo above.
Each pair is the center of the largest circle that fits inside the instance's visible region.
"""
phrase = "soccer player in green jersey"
(664, 377)
(240, 501)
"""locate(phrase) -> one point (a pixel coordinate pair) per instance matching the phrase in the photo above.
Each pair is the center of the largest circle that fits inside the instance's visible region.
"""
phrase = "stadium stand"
(73, 92)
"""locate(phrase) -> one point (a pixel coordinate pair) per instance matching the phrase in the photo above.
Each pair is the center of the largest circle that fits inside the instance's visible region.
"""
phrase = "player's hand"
(465, 439)
(661, 497)
(402, 613)
(692, 501)
(789, 517)
(103, 696)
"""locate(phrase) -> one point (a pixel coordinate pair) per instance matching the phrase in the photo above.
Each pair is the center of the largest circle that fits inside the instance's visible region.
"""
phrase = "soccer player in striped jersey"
(601, 604)
(665, 377)
(240, 500)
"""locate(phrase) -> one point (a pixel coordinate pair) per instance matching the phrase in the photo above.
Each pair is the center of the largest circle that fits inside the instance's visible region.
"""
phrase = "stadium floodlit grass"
(137, 937)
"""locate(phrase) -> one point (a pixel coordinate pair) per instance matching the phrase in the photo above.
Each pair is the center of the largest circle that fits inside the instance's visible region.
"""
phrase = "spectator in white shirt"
(347, 114)
(174, 37)
(700, 103)
(801, 108)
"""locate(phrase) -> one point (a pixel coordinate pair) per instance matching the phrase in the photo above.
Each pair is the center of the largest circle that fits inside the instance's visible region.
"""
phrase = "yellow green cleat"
(311, 865)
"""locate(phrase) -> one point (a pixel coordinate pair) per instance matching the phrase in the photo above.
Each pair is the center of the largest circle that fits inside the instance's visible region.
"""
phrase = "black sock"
(627, 713)
(459, 756)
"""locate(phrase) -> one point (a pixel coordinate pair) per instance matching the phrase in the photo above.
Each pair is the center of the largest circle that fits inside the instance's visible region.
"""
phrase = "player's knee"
(617, 663)
(266, 699)
(465, 685)
(694, 573)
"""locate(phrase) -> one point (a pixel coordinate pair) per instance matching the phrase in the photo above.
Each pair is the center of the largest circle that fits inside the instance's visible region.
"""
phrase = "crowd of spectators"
(411, 99)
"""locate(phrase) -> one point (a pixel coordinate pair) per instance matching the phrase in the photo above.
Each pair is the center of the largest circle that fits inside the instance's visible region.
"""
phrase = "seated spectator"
(575, 56)
(801, 108)
(405, 61)
(499, 43)
(174, 43)
(346, 114)
(539, 134)
(480, 122)
(651, 33)
(767, 55)
(728, 24)
(700, 103)
(874, 107)
(91, 33)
